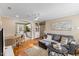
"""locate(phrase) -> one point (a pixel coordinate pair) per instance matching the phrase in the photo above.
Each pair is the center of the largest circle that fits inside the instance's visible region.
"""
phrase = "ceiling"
(44, 11)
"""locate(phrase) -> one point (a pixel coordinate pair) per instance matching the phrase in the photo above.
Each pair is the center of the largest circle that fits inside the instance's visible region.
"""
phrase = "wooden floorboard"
(19, 49)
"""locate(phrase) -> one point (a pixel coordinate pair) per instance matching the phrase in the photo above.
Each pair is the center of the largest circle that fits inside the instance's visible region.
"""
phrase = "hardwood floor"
(19, 49)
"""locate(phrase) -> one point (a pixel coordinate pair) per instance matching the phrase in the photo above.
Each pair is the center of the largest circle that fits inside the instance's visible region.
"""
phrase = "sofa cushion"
(49, 37)
(64, 40)
(56, 38)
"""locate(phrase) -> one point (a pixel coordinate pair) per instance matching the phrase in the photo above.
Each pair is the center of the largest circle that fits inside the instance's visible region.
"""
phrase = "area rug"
(36, 51)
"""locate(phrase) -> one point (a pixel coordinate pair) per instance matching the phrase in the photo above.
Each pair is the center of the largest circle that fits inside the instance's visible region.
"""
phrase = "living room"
(40, 29)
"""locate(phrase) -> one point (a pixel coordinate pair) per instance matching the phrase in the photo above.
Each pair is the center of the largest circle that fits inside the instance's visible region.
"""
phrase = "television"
(1, 42)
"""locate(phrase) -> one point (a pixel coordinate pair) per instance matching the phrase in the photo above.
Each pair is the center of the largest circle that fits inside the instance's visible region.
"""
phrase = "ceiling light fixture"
(33, 16)
(17, 16)
(37, 18)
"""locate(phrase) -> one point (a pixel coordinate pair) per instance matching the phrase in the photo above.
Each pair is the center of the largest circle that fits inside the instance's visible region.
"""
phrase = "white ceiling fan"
(37, 18)
(33, 16)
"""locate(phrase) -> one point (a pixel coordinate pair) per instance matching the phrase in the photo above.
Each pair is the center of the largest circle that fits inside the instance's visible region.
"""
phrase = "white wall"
(8, 26)
(75, 24)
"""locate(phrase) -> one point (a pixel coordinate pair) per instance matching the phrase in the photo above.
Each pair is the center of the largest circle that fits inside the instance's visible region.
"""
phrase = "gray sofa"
(67, 44)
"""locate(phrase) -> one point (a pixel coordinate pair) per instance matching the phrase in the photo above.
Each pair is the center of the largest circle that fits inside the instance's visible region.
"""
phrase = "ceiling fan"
(33, 16)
